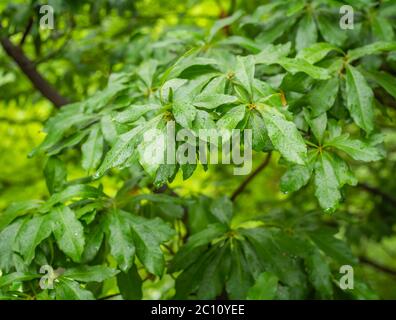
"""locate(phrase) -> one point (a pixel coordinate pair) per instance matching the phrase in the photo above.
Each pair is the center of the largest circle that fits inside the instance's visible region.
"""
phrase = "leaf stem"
(242, 187)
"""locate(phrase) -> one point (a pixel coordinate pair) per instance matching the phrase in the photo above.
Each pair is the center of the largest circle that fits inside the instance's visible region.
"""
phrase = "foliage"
(314, 96)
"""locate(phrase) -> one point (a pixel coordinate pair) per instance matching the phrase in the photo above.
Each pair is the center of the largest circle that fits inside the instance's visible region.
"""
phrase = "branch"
(110, 296)
(27, 30)
(28, 68)
(385, 99)
(242, 187)
(377, 266)
(378, 192)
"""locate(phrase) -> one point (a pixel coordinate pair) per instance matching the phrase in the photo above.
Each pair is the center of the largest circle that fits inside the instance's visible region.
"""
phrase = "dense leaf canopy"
(78, 100)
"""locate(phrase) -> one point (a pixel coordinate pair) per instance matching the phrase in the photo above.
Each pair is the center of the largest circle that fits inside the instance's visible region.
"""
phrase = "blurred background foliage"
(92, 39)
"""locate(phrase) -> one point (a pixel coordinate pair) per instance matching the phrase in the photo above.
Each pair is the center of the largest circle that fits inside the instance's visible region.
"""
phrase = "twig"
(242, 187)
(378, 192)
(385, 99)
(377, 266)
(110, 296)
(26, 32)
(28, 68)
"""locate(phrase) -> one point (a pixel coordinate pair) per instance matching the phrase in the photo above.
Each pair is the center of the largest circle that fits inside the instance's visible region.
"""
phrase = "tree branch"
(28, 68)
(377, 266)
(385, 99)
(378, 192)
(242, 187)
(26, 32)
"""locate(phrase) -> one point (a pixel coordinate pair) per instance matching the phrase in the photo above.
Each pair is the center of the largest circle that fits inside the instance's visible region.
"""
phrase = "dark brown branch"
(26, 32)
(378, 192)
(243, 185)
(28, 68)
(377, 266)
(385, 99)
(110, 296)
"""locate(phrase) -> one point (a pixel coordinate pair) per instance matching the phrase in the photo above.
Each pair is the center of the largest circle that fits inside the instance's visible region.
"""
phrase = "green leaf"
(260, 139)
(265, 287)
(384, 79)
(130, 284)
(373, 48)
(317, 124)
(147, 235)
(306, 32)
(134, 112)
(382, 29)
(240, 279)
(57, 126)
(295, 7)
(120, 152)
(203, 277)
(295, 178)
(152, 151)
(123, 147)
(147, 70)
(245, 72)
(242, 42)
(333, 247)
(67, 289)
(361, 291)
(188, 169)
(184, 256)
(330, 30)
(108, 128)
(342, 171)
(326, 183)
(357, 149)
(187, 60)
(275, 30)
(92, 149)
(7, 243)
(232, 117)
(319, 274)
(323, 95)
(222, 208)
(117, 82)
(86, 273)
(270, 54)
(68, 232)
(8, 279)
(212, 279)
(316, 52)
(55, 174)
(93, 241)
(165, 173)
(73, 191)
(213, 100)
(17, 209)
(220, 24)
(31, 234)
(119, 237)
(359, 99)
(299, 82)
(184, 113)
(273, 258)
(67, 142)
(299, 65)
(284, 135)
